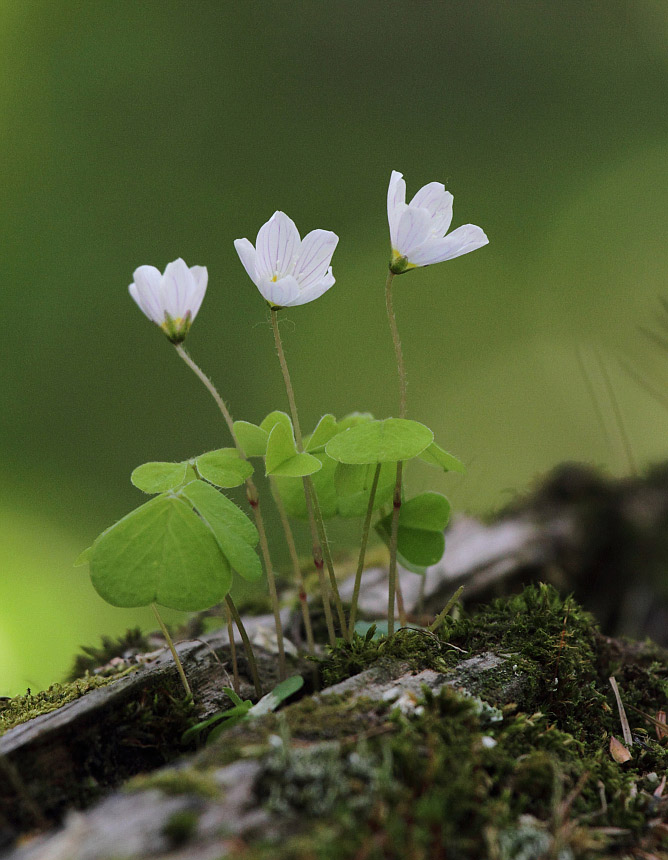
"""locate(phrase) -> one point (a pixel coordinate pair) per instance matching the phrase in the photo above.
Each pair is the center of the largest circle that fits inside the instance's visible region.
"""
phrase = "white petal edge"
(146, 291)
(461, 241)
(414, 229)
(276, 246)
(178, 287)
(247, 255)
(315, 290)
(315, 255)
(284, 292)
(396, 200)
(438, 202)
(200, 276)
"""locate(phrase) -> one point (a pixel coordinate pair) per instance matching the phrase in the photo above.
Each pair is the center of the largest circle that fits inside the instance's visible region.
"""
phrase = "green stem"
(233, 649)
(436, 623)
(360, 562)
(296, 568)
(392, 584)
(319, 563)
(247, 645)
(397, 344)
(172, 648)
(403, 621)
(253, 500)
(316, 522)
(397, 487)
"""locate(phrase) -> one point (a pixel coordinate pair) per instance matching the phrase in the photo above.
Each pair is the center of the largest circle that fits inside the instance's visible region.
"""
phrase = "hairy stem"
(172, 648)
(392, 584)
(248, 648)
(316, 522)
(253, 500)
(296, 569)
(397, 344)
(360, 561)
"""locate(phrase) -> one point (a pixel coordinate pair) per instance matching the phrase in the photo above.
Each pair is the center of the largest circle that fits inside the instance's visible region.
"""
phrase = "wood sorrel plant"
(180, 548)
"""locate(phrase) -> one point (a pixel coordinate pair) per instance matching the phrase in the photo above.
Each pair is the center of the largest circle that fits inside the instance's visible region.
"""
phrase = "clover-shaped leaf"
(386, 441)
(353, 486)
(161, 552)
(420, 538)
(160, 477)
(253, 439)
(235, 533)
(275, 418)
(224, 467)
(436, 456)
(292, 492)
(282, 457)
(325, 429)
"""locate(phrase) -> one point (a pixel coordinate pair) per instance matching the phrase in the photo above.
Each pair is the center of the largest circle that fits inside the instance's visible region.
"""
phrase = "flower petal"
(200, 276)
(315, 290)
(438, 202)
(146, 292)
(463, 240)
(248, 257)
(277, 245)
(283, 293)
(396, 200)
(178, 287)
(314, 257)
(414, 229)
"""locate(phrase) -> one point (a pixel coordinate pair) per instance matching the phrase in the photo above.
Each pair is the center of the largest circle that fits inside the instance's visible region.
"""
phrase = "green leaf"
(385, 441)
(420, 538)
(224, 467)
(253, 439)
(353, 419)
(353, 485)
(292, 492)
(275, 418)
(283, 458)
(279, 694)
(325, 429)
(234, 532)
(83, 557)
(436, 456)
(158, 477)
(161, 552)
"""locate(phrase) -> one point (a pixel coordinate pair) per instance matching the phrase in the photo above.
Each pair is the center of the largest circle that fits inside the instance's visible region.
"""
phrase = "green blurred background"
(136, 131)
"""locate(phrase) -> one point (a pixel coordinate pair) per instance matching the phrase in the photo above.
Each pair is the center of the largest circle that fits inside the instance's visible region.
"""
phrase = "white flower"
(418, 228)
(171, 300)
(287, 270)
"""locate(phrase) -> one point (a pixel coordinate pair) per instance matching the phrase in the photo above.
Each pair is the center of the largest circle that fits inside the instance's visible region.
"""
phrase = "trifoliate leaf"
(253, 439)
(325, 429)
(353, 486)
(436, 456)
(420, 538)
(282, 457)
(225, 521)
(158, 477)
(224, 467)
(353, 419)
(385, 441)
(231, 516)
(163, 553)
(275, 418)
(292, 492)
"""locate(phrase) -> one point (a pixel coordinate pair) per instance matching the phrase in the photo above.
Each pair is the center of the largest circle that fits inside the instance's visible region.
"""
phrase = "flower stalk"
(253, 500)
(172, 648)
(360, 563)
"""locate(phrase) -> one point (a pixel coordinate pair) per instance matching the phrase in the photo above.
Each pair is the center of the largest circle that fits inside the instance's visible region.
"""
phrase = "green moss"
(131, 642)
(20, 709)
(450, 781)
(175, 782)
(180, 827)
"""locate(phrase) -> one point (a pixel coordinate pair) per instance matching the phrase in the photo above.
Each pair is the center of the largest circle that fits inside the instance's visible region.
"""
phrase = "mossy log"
(498, 735)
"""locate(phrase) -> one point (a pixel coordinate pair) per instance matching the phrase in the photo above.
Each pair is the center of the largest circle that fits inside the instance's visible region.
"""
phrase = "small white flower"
(418, 228)
(171, 300)
(287, 270)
